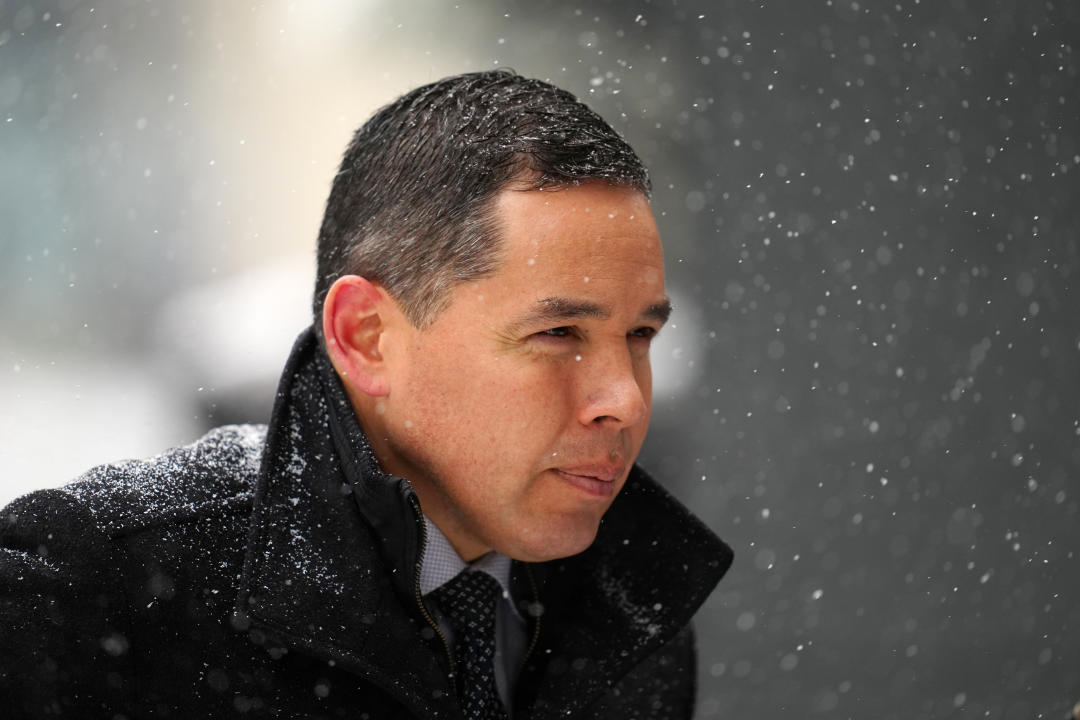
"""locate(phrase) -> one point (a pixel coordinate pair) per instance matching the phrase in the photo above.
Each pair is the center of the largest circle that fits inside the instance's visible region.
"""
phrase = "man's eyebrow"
(561, 309)
(659, 312)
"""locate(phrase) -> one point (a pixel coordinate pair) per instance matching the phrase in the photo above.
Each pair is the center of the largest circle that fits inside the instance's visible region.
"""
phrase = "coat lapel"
(315, 575)
(608, 609)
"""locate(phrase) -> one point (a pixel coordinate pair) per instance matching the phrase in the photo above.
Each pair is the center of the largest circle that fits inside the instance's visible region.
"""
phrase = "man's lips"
(605, 472)
(596, 480)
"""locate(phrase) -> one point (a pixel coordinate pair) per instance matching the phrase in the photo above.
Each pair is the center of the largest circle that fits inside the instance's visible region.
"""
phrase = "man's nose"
(616, 389)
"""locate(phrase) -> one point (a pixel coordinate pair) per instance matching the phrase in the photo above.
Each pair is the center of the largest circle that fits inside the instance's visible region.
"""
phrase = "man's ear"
(354, 319)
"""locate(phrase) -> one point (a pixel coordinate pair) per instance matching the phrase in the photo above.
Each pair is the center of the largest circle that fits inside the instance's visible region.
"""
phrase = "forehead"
(593, 239)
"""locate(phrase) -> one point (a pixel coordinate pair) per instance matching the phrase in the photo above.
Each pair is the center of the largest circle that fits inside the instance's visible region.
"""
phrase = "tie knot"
(469, 598)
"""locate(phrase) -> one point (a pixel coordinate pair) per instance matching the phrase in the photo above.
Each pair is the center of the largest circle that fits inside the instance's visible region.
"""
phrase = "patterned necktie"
(469, 602)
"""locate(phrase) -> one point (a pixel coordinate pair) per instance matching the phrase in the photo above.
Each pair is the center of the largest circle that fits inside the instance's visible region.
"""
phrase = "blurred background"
(871, 386)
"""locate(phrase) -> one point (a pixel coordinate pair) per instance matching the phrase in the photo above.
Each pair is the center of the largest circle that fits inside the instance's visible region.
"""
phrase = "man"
(443, 517)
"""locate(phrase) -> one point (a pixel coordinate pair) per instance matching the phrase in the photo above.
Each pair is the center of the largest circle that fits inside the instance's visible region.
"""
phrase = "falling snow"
(869, 386)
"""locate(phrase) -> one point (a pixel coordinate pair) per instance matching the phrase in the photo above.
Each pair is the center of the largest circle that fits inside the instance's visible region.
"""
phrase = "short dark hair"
(411, 205)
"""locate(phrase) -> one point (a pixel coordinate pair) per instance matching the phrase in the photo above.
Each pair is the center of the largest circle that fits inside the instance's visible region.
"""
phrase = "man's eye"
(558, 332)
(644, 332)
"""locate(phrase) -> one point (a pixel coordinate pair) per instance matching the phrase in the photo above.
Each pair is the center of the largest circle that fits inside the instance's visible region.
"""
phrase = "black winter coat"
(271, 572)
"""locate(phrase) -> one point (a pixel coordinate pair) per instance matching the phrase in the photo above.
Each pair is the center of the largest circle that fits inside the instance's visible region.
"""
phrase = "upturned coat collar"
(334, 544)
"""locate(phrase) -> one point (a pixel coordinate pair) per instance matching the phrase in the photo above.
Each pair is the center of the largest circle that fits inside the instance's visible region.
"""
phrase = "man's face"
(518, 412)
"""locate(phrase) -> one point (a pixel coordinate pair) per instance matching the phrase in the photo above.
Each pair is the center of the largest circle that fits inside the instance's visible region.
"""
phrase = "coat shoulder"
(114, 563)
(215, 474)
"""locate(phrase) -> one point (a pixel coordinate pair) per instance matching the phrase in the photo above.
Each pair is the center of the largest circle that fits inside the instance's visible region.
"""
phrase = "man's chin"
(553, 544)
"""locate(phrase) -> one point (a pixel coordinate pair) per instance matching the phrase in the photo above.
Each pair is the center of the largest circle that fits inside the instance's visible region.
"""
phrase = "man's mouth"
(597, 480)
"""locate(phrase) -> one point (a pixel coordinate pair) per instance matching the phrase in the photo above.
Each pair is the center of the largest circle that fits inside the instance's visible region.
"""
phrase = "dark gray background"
(870, 219)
